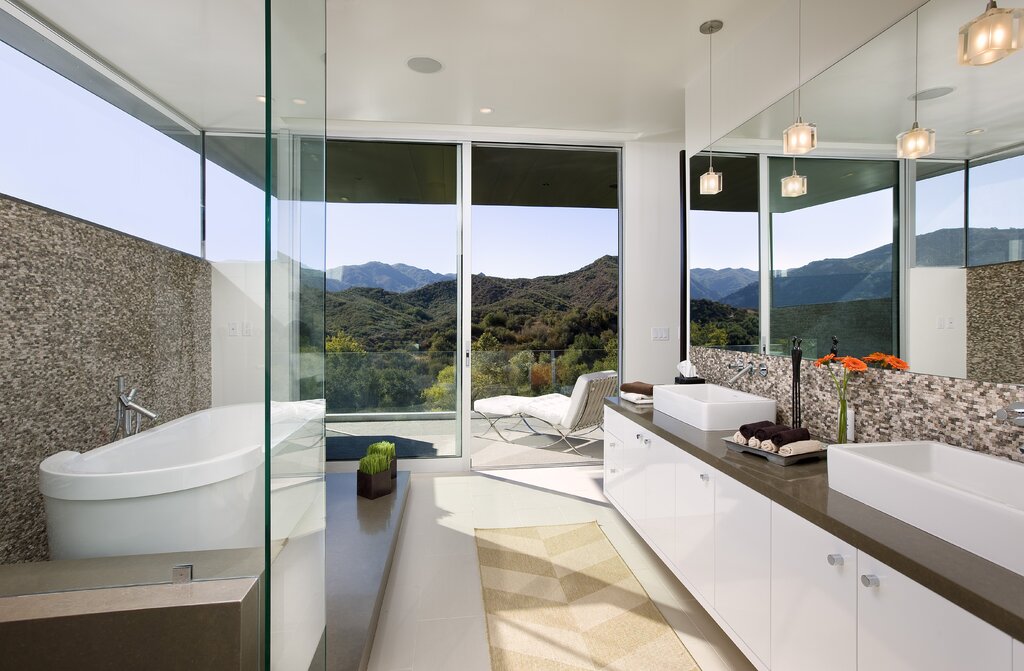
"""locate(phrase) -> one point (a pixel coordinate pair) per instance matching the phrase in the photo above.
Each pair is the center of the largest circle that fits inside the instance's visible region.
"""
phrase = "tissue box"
(689, 380)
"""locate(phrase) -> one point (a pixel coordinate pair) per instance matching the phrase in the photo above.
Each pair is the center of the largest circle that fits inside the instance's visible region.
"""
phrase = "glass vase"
(841, 437)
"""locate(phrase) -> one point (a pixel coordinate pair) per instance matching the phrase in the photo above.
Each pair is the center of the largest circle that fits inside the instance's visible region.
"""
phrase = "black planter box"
(394, 468)
(373, 486)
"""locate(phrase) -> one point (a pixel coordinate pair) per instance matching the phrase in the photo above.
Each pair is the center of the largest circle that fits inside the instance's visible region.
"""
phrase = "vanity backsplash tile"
(888, 405)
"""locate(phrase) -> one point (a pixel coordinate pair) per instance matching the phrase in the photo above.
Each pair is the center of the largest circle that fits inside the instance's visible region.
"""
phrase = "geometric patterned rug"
(560, 598)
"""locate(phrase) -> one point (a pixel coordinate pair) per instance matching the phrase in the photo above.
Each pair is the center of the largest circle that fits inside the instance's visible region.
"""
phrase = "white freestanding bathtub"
(194, 483)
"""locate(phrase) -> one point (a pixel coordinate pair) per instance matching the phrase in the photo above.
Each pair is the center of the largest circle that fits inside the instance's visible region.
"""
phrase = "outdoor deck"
(435, 437)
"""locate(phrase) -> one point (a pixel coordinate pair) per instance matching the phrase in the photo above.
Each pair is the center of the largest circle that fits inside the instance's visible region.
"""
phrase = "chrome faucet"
(747, 368)
(129, 413)
(741, 368)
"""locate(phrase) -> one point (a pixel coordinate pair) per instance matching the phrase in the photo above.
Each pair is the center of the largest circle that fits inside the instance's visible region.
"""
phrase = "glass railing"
(402, 382)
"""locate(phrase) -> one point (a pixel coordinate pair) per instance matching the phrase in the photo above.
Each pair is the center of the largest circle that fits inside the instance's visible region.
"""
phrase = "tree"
(342, 342)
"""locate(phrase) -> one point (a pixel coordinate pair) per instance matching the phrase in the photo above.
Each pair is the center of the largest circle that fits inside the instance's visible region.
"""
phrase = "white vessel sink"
(975, 501)
(710, 407)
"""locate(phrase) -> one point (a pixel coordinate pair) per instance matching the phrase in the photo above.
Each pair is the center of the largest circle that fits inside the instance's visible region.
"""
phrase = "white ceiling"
(861, 103)
(600, 66)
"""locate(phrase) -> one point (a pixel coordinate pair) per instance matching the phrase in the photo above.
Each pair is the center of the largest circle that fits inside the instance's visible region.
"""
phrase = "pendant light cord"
(711, 80)
(799, 56)
(917, 56)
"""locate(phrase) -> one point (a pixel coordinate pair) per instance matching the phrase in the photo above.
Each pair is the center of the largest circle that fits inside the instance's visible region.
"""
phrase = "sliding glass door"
(545, 300)
(392, 301)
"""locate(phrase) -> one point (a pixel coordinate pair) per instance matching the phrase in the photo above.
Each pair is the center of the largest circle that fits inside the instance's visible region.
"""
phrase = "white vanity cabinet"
(814, 597)
(791, 595)
(693, 554)
(743, 574)
(903, 625)
(658, 521)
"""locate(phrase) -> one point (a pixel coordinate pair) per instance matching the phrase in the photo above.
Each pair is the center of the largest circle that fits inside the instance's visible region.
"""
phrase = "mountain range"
(864, 276)
(383, 319)
(397, 277)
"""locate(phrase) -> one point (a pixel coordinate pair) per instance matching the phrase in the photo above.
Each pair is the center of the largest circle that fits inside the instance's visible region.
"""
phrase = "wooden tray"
(776, 458)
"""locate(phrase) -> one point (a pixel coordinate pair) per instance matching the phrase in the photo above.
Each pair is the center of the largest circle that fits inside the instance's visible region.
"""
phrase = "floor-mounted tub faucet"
(129, 413)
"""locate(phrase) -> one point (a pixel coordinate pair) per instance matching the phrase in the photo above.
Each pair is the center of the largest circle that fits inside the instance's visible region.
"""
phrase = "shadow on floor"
(348, 448)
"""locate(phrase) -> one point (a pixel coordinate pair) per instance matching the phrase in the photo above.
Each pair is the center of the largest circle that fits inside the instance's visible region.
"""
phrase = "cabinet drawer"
(619, 425)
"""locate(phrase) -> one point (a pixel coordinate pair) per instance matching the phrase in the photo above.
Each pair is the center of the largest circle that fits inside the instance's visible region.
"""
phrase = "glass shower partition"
(294, 319)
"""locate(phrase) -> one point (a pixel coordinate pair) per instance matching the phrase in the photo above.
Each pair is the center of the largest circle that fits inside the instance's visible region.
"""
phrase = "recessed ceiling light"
(298, 101)
(424, 65)
(486, 110)
(975, 131)
(932, 93)
(262, 99)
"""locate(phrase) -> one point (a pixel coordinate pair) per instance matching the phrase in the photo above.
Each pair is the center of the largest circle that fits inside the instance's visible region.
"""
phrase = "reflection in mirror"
(722, 247)
(832, 257)
(935, 247)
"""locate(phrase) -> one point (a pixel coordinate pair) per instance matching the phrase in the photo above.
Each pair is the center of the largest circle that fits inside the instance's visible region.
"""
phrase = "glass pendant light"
(990, 37)
(794, 185)
(711, 181)
(801, 137)
(917, 141)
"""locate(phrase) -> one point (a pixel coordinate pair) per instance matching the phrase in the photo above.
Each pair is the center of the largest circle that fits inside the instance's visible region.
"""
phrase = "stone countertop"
(989, 591)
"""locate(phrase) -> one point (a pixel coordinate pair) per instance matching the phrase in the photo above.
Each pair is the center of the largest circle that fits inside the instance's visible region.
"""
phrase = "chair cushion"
(550, 407)
(579, 396)
(501, 405)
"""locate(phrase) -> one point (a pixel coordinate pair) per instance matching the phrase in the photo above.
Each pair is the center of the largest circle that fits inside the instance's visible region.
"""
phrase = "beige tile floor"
(432, 617)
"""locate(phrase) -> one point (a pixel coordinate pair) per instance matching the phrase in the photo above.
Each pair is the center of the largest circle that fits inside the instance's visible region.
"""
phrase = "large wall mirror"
(921, 257)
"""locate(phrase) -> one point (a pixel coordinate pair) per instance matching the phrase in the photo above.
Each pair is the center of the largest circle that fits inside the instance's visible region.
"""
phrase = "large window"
(832, 256)
(939, 214)
(69, 150)
(996, 214)
(722, 248)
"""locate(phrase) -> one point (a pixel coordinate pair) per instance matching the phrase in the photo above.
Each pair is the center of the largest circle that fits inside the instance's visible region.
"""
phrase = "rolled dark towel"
(748, 429)
(791, 436)
(769, 432)
(638, 388)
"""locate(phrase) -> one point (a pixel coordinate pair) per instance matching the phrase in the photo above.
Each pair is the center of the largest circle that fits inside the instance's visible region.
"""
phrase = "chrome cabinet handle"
(835, 560)
(869, 580)
(639, 436)
(647, 442)
(704, 477)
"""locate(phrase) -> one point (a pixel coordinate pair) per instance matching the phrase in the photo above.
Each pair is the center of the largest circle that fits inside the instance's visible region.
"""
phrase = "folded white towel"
(738, 438)
(754, 442)
(639, 399)
(801, 447)
(768, 446)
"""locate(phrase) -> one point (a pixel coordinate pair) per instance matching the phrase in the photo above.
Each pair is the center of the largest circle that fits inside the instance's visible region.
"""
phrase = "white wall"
(935, 294)
(650, 260)
(756, 67)
(238, 360)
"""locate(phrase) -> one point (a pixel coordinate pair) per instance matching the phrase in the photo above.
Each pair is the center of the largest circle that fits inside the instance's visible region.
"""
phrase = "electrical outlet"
(232, 329)
(949, 322)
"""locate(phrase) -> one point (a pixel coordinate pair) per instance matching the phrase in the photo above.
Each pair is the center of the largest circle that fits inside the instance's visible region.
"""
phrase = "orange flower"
(895, 362)
(878, 357)
(824, 360)
(852, 363)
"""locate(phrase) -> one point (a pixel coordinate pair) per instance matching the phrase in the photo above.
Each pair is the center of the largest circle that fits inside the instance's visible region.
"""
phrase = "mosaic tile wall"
(888, 405)
(79, 305)
(995, 322)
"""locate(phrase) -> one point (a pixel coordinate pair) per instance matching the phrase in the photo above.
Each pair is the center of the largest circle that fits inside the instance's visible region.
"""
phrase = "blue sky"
(507, 241)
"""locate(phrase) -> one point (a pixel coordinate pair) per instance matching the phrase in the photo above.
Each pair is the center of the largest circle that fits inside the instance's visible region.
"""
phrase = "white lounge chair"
(569, 416)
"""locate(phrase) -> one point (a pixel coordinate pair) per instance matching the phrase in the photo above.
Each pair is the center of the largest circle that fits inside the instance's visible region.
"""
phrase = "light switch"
(659, 333)
(940, 323)
(232, 329)
(949, 322)
(247, 329)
